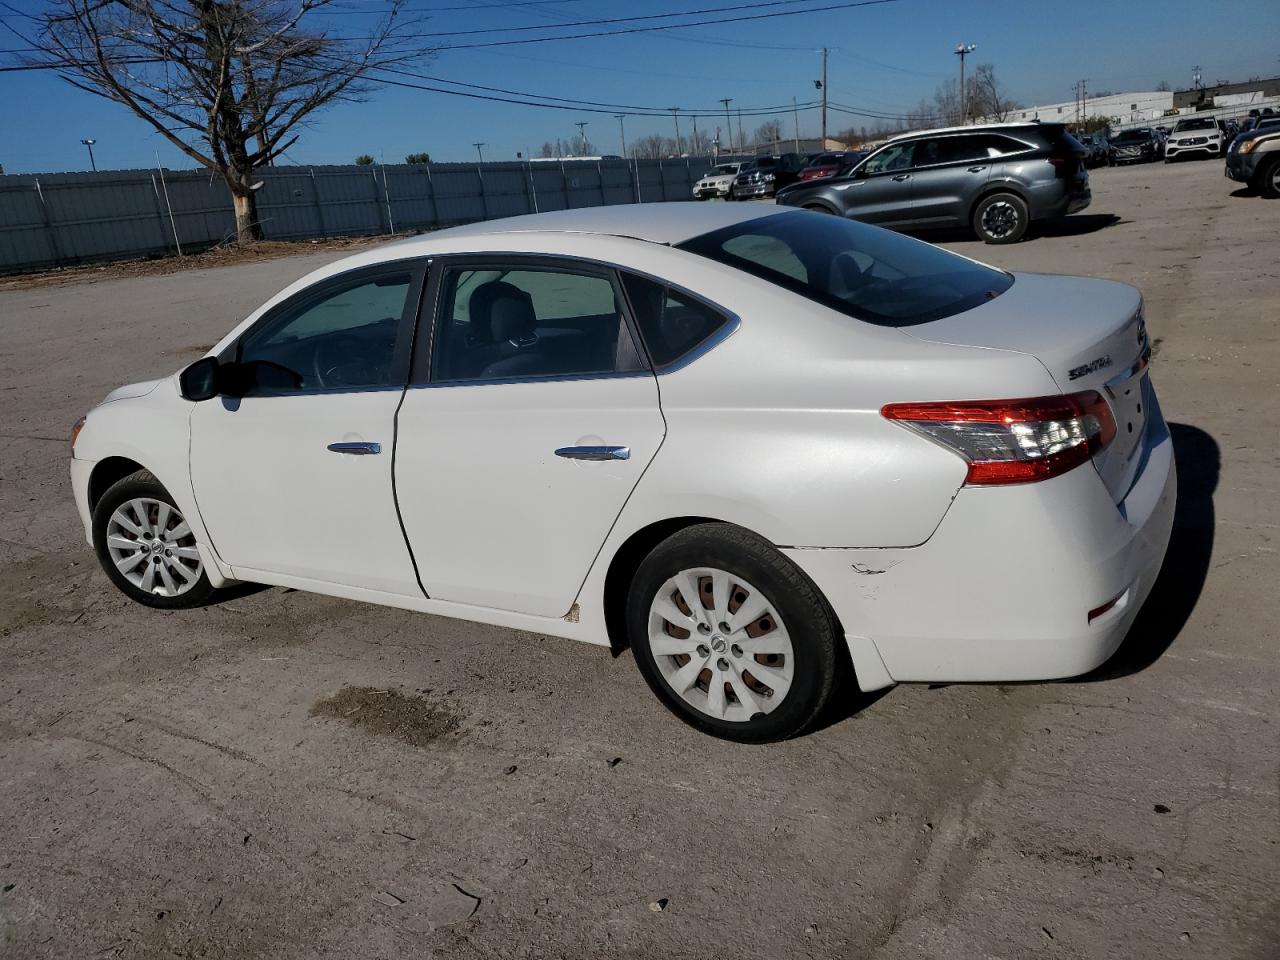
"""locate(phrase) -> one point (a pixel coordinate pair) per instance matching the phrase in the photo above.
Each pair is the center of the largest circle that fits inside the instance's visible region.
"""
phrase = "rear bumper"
(1003, 589)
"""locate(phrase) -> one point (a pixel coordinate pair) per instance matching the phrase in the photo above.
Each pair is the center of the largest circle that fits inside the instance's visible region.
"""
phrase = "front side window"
(341, 335)
(896, 156)
(861, 271)
(498, 322)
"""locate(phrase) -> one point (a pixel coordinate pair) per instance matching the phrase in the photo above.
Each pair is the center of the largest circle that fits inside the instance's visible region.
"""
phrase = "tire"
(1268, 179)
(798, 655)
(1001, 218)
(131, 511)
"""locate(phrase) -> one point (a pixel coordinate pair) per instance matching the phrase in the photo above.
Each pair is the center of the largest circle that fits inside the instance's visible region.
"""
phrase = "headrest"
(501, 311)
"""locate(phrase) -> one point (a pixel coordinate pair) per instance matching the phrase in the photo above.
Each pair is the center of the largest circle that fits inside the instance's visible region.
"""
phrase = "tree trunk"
(248, 229)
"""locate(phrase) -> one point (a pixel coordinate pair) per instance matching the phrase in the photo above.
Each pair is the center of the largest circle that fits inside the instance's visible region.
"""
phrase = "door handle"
(594, 453)
(361, 448)
(978, 169)
(902, 176)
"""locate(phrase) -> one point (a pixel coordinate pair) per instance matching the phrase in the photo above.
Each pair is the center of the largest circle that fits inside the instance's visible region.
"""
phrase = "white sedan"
(757, 447)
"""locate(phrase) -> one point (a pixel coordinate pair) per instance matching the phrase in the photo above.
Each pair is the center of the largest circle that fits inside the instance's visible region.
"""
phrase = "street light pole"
(962, 51)
(623, 131)
(479, 152)
(89, 144)
(796, 112)
(824, 98)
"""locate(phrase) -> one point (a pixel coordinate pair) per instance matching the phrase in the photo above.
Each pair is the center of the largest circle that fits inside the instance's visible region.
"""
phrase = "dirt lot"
(292, 776)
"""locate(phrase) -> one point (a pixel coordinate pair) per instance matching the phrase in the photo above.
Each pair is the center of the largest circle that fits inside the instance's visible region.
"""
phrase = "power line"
(848, 5)
(559, 26)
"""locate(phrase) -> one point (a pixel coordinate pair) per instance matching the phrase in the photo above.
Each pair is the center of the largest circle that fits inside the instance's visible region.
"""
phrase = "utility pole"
(479, 152)
(582, 136)
(742, 137)
(796, 113)
(962, 51)
(622, 130)
(675, 115)
(693, 146)
(728, 122)
(823, 84)
(89, 144)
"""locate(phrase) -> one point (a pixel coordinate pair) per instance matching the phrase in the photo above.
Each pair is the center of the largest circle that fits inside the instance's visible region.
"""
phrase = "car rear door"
(530, 417)
(950, 174)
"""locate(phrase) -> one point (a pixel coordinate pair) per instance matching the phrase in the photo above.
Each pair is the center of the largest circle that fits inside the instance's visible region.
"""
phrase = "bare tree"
(769, 134)
(1163, 86)
(699, 144)
(227, 82)
(653, 147)
(986, 97)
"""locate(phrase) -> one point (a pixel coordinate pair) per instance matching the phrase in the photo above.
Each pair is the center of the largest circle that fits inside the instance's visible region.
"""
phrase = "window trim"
(1026, 148)
(420, 373)
(405, 328)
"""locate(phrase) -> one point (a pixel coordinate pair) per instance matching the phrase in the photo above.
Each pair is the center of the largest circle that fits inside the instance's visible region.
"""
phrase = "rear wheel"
(146, 546)
(731, 635)
(1001, 218)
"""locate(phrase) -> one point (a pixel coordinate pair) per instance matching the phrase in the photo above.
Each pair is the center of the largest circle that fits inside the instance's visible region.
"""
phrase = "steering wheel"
(338, 361)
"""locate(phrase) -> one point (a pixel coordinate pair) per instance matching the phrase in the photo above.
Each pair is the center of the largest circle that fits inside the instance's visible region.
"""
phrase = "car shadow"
(1244, 192)
(1075, 225)
(1186, 564)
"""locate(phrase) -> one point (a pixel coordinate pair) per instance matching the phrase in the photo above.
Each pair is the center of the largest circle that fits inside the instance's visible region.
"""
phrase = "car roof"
(668, 223)
(975, 128)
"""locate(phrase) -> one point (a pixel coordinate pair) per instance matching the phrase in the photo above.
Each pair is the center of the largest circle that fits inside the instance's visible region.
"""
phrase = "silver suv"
(998, 179)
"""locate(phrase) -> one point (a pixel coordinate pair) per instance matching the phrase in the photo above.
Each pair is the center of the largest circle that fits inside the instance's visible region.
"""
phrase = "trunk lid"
(1089, 334)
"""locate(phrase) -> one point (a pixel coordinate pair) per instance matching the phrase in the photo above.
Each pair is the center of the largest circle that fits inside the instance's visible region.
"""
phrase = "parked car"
(1196, 136)
(1095, 149)
(1254, 159)
(717, 181)
(565, 435)
(1139, 145)
(829, 164)
(764, 176)
(997, 179)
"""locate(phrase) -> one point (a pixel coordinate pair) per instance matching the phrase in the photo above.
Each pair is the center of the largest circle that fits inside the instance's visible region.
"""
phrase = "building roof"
(656, 222)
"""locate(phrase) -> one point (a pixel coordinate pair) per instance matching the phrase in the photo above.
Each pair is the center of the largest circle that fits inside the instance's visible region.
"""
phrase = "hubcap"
(720, 644)
(1000, 219)
(153, 547)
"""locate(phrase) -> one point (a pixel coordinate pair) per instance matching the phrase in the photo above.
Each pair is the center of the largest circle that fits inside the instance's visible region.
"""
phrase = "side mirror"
(200, 380)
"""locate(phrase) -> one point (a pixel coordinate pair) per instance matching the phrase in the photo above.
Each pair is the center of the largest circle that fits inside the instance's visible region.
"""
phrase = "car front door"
(530, 417)
(880, 189)
(950, 171)
(294, 478)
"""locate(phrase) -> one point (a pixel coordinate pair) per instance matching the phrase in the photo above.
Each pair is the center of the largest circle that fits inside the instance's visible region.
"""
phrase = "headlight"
(1247, 146)
(768, 177)
(75, 434)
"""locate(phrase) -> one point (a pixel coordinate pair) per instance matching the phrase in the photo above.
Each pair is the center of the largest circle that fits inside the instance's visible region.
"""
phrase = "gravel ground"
(289, 776)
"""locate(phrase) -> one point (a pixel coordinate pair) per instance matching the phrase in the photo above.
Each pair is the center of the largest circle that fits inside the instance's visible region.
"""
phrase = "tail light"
(1014, 441)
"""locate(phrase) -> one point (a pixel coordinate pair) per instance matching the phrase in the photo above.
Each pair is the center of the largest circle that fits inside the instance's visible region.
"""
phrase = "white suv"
(1193, 135)
(716, 181)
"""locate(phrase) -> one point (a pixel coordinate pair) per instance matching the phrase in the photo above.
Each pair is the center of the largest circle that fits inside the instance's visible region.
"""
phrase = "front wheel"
(1268, 179)
(731, 636)
(146, 546)
(1001, 218)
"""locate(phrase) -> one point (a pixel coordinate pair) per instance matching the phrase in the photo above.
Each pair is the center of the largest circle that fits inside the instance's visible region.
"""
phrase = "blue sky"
(884, 58)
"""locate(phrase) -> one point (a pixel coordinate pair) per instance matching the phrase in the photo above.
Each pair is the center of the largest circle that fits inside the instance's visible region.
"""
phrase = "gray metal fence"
(67, 218)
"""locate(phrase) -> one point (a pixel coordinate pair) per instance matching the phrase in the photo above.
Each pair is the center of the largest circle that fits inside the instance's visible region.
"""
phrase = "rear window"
(859, 270)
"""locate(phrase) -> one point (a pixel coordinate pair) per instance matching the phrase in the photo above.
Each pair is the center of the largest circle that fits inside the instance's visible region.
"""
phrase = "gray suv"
(997, 179)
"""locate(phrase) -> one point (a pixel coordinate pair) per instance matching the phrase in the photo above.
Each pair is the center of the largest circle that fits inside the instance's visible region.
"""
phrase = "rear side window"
(672, 323)
(859, 270)
(516, 322)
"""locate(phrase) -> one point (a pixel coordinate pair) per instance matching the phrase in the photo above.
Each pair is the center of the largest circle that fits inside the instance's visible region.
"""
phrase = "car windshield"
(723, 170)
(761, 163)
(1202, 123)
(862, 271)
(1132, 135)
